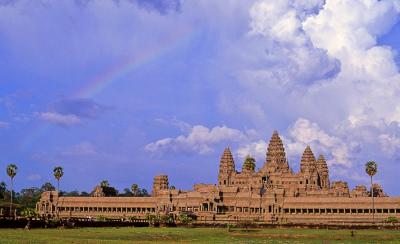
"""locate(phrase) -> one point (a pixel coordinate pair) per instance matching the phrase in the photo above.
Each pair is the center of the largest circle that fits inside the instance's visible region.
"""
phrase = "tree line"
(28, 197)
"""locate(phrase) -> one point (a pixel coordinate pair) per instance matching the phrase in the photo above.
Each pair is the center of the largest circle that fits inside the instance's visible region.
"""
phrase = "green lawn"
(199, 235)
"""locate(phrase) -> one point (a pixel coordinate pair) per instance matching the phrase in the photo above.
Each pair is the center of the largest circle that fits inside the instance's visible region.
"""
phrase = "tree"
(58, 173)
(127, 193)
(104, 183)
(108, 190)
(371, 168)
(29, 213)
(28, 197)
(143, 193)
(186, 219)
(135, 189)
(3, 189)
(249, 163)
(11, 172)
(47, 186)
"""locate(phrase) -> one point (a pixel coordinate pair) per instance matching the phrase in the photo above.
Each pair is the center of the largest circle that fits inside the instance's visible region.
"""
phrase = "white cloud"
(288, 46)
(256, 149)
(199, 139)
(305, 132)
(389, 143)
(60, 119)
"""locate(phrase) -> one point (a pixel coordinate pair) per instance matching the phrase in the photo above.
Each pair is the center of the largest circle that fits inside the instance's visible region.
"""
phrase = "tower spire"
(307, 160)
(226, 167)
(276, 156)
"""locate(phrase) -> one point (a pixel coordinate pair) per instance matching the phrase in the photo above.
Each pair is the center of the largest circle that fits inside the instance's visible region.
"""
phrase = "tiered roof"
(307, 160)
(276, 151)
(227, 163)
(321, 164)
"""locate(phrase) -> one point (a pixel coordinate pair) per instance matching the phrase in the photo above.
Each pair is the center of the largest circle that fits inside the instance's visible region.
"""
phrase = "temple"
(274, 194)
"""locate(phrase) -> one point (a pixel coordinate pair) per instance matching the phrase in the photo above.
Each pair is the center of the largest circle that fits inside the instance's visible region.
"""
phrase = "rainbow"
(127, 65)
(114, 74)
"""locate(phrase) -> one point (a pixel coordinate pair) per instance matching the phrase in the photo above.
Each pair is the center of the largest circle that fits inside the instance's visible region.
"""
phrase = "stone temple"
(274, 194)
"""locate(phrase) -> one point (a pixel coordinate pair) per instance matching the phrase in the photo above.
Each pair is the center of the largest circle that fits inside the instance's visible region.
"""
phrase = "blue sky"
(127, 89)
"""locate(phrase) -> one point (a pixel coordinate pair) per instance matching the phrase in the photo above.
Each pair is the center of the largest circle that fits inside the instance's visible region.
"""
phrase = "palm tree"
(134, 189)
(371, 168)
(11, 172)
(58, 173)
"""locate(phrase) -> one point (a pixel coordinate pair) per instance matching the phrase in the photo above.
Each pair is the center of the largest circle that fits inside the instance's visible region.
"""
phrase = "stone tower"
(323, 172)
(276, 157)
(160, 183)
(226, 168)
(308, 167)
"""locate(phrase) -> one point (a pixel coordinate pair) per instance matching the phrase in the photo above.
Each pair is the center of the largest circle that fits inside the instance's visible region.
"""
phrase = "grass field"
(195, 235)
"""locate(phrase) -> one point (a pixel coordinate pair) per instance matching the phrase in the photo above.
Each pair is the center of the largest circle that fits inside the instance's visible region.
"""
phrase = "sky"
(124, 90)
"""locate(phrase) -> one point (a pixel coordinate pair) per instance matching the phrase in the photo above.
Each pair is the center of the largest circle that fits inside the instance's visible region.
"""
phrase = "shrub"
(392, 219)
(185, 219)
(101, 218)
(153, 219)
(167, 219)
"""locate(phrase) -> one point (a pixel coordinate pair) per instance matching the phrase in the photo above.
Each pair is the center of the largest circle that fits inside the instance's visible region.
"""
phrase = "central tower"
(276, 157)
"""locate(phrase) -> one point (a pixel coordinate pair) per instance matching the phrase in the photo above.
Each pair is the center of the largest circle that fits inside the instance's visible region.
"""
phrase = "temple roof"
(227, 159)
(307, 159)
(321, 163)
(276, 151)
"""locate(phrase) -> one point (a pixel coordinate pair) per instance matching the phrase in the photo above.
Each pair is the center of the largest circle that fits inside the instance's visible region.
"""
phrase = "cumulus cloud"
(304, 132)
(60, 119)
(288, 48)
(299, 135)
(199, 139)
(349, 83)
(256, 149)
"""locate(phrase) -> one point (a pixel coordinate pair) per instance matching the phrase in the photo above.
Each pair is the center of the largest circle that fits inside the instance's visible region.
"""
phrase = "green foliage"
(29, 197)
(104, 183)
(128, 235)
(126, 193)
(58, 172)
(167, 219)
(101, 218)
(108, 190)
(3, 189)
(185, 219)
(371, 168)
(29, 213)
(249, 164)
(392, 219)
(229, 227)
(153, 219)
(47, 186)
(12, 170)
(135, 189)
(133, 218)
